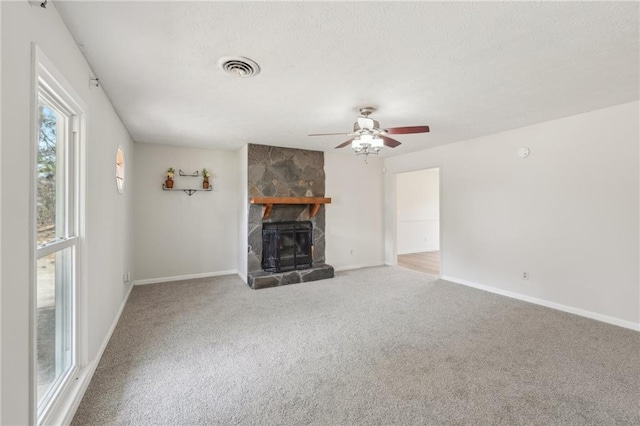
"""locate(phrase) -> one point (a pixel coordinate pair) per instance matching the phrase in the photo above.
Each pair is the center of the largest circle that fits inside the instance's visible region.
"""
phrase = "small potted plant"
(205, 178)
(169, 174)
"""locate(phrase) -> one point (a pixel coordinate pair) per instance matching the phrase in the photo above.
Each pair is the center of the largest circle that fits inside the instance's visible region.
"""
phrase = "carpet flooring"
(381, 345)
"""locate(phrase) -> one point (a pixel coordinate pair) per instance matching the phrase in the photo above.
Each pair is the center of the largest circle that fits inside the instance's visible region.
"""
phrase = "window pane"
(48, 173)
(120, 170)
(54, 316)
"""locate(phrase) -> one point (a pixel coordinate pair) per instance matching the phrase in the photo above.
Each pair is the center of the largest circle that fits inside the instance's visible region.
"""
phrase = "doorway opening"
(418, 220)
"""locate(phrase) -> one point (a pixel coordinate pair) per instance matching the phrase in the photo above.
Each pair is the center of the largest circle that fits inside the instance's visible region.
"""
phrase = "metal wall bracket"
(188, 191)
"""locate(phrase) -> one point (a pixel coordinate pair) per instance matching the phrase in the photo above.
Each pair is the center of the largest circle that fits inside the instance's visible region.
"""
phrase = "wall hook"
(97, 81)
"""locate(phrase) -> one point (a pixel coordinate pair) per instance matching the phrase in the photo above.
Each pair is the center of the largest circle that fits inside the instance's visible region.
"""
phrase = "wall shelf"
(268, 203)
(187, 191)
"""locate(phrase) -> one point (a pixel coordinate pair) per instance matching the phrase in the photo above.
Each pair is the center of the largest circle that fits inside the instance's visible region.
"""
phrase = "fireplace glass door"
(287, 246)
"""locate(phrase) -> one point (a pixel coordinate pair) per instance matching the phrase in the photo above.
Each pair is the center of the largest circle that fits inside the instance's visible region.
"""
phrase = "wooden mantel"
(268, 203)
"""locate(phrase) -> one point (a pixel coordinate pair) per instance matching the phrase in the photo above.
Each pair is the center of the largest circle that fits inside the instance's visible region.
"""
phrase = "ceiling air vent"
(239, 66)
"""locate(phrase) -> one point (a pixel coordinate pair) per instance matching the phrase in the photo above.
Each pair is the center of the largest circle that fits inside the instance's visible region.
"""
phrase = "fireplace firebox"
(287, 246)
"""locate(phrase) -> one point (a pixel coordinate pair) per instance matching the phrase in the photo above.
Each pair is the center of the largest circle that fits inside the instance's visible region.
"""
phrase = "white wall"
(0, 207)
(567, 214)
(108, 226)
(109, 218)
(177, 235)
(243, 209)
(354, 225)
(418, 211)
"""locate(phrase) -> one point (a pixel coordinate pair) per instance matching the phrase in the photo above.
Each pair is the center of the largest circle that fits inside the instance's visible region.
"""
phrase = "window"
(56, 224)
(120, 170)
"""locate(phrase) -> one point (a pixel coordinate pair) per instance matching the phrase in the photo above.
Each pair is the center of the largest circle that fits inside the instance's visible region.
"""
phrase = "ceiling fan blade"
(343, 144)
(407, 130)
(391, 143)
(328, 134)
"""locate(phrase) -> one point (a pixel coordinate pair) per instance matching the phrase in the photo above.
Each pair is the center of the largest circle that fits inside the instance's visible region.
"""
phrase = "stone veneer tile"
(254, 263)
(257, 153)
(256, 172)
(320, 218)
(265, 282)
(255, 240)
(261, 279)
(286, 171)
(290, 278)
(316, 274)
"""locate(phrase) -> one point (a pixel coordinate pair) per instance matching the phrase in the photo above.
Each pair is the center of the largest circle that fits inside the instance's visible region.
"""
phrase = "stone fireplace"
(286, 173)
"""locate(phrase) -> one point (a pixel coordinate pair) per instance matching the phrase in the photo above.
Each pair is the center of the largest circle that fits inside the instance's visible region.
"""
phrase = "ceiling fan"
(369, 138)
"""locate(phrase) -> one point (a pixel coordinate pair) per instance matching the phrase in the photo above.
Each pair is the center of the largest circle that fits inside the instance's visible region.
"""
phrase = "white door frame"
(394, 214)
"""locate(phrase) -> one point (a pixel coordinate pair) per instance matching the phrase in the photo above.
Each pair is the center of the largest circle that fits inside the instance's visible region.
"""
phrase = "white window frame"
(49, 83)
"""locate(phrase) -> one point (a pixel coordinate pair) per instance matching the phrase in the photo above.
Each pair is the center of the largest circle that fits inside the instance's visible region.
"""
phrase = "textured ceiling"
(465, 69)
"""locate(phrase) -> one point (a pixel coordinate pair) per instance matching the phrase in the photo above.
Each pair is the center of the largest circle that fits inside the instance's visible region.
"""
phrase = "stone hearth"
(262, 279)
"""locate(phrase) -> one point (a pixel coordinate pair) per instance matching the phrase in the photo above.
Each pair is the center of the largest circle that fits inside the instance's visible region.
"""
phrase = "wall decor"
(168, 184)
(169, 174)
(205, 178)
(120, 170)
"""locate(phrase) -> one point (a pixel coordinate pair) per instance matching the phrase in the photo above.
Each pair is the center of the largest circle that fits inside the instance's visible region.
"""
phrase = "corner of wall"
(243, 210)
(0, 210)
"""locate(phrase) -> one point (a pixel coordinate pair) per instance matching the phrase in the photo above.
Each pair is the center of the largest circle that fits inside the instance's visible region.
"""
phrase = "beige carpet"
(378, 345)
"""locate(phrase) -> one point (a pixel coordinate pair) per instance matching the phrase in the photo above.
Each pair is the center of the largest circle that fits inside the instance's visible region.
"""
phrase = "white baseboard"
(576, 311)
(86, 374)
(357, 266)
(185, 277)
(242, 276)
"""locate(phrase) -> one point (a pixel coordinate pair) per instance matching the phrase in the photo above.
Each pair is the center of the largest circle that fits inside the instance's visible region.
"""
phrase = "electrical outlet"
(352, 251)
(525, 275)
(126, 277)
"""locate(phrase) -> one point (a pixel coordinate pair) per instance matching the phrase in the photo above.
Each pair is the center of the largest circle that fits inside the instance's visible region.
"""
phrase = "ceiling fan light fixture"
(369, 138)
(366, 139)
(366, 123)
(367, 143)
